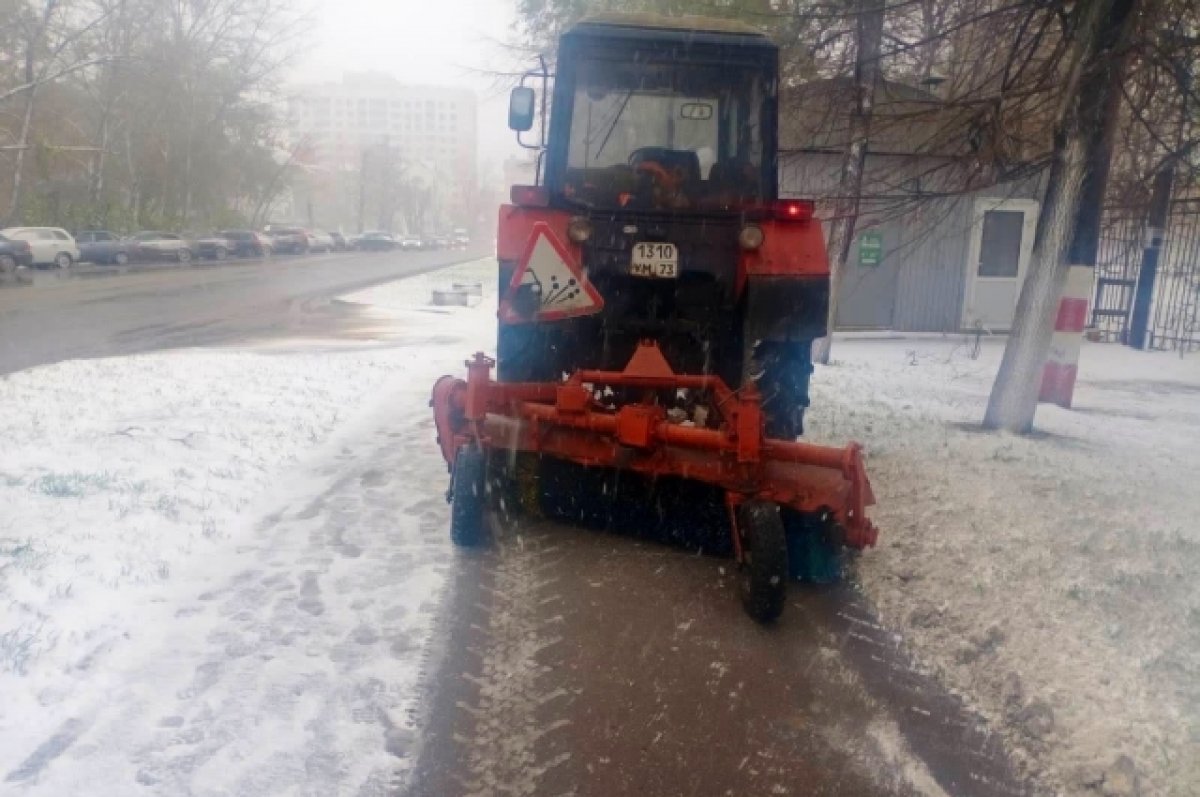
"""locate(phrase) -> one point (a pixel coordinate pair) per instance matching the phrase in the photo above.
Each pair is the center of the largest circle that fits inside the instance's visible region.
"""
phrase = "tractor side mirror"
(520, 109)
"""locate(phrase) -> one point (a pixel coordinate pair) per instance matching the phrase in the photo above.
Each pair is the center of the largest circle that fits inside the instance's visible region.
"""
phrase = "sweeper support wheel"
(763, 570)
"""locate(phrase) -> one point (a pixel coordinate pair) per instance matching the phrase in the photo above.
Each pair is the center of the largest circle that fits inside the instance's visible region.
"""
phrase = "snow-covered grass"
(1052, 579)
(115, 472)
(130, 485)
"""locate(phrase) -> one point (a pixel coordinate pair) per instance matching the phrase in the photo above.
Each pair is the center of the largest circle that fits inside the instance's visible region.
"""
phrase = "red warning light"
(530, 196)
(793, 209)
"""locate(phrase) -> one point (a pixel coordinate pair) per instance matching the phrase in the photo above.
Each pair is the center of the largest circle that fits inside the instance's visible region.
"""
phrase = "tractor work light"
(751, 237)
(579, 230)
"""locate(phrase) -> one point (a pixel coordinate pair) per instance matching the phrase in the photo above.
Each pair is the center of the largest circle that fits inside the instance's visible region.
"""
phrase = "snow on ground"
(1051, 579)
(177, 609)
(218, 568)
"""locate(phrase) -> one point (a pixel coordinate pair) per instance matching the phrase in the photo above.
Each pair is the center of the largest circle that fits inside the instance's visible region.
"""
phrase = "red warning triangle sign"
(549, 284)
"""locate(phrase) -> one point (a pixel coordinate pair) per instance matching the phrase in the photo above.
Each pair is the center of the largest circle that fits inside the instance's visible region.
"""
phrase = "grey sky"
(430, 41)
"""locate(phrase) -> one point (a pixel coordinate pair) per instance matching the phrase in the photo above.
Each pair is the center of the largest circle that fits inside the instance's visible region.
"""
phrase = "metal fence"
(1175, 311)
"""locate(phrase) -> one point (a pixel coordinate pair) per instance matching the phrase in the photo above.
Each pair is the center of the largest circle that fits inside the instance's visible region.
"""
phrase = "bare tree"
(45, 38)
(1067, 225)
(869, 37)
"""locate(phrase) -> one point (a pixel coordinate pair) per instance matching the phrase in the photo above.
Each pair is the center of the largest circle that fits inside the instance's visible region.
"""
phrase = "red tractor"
(658, 303)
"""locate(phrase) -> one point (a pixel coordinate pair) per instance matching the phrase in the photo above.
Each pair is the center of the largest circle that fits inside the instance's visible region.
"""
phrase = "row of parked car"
(54, 246)
(385, 241)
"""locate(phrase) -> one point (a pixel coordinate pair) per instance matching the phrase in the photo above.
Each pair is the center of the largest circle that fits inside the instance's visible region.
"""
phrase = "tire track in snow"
(508, 716)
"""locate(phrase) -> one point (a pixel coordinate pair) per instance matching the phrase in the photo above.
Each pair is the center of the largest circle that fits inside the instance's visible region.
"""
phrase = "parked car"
(215, 247)
(319, 241)
(352, 241)
(339, 241)
(156, 245)
(410, 243)
(102, 247)
(293, 240)
(49, 246)
(247, 243)
(13, 254)
(376, 241)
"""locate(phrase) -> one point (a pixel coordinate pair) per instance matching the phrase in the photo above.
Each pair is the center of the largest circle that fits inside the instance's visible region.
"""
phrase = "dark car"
(13, 254)
(156, 245)
(247, 243)
(215, 247)
(376, 241)
(102, 247)
(339, 241)
(293, 240)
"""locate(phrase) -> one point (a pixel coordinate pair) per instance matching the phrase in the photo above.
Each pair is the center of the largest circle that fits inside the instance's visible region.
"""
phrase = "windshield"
(670, 136)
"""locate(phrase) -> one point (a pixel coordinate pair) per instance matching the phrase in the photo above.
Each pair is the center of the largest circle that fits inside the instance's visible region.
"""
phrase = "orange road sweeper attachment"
(576, 420)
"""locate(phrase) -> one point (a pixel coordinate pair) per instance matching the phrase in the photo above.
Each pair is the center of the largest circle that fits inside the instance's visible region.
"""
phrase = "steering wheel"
(664, 177)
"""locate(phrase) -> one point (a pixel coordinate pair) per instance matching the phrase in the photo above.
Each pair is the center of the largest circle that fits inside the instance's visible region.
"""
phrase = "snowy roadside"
(1052, 579)
(133, 485)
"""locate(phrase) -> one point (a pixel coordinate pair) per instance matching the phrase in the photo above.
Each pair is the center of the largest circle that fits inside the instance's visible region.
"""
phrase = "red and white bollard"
(1062, 363)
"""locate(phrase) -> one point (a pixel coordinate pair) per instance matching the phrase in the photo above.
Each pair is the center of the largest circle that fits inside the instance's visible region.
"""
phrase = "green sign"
(870, 248)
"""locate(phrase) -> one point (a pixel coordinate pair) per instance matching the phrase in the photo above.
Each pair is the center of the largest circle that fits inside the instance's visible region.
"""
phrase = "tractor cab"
(660, 115)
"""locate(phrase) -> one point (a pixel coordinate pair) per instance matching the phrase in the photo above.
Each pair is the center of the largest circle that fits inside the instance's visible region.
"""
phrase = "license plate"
(654, 260)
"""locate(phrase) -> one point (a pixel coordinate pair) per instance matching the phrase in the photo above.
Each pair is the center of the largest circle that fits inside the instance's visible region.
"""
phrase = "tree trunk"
(846, 207)
(135, 183)
(15, 196)
(1068, 224)
(96, 187)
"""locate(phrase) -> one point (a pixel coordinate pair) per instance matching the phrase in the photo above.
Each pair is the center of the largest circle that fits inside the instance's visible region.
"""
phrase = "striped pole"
(1062, 364)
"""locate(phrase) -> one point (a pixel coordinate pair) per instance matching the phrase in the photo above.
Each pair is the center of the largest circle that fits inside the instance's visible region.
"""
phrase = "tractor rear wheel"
(782, 371)
(468, 498)
(764, 567)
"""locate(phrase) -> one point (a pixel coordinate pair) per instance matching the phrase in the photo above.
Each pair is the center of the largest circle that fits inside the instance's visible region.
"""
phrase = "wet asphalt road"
(585, 663)
(200, 305)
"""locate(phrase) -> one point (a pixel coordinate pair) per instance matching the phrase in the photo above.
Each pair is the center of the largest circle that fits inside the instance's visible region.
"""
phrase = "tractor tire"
(468, 497)
(764, 568)
(782, 372)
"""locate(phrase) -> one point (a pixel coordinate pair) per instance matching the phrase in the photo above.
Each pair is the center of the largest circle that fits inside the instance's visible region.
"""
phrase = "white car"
(51, 246)
(320, 241)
